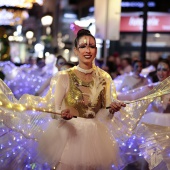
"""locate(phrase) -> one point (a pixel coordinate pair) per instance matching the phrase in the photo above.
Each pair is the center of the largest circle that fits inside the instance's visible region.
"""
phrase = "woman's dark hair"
(166, 61)
(60, 57)
(81, 33)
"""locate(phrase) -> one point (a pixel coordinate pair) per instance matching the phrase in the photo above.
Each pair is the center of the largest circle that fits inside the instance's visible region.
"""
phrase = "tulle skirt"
(80, 144)
(77, 144)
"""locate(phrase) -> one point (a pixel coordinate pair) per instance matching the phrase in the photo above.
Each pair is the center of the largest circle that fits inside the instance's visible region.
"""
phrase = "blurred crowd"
(130, 73)
(34, 76)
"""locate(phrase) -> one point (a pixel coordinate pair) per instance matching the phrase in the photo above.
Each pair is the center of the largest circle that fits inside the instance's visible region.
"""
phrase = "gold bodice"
(75, 96)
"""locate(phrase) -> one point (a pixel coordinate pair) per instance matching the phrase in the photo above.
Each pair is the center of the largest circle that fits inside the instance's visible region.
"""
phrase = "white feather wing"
(96, 88)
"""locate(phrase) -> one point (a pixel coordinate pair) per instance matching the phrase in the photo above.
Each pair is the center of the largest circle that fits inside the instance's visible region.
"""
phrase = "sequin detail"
(75, 96)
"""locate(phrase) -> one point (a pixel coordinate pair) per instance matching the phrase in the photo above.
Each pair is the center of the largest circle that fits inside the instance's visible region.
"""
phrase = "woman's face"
(163, 71)
(86, 50)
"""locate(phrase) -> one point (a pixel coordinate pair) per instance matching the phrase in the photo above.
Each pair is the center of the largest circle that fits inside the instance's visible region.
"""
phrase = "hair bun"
(83, 32)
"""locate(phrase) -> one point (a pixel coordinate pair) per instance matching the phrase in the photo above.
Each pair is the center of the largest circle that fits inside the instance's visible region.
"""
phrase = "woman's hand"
(116, 106)
(65, 114)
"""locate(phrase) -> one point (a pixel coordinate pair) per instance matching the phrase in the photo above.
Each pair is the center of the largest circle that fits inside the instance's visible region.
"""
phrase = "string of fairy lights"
(36, 120)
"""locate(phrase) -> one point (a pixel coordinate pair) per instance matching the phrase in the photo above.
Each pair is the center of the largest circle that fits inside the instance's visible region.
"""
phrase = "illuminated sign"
(138, 4)
(156, 22)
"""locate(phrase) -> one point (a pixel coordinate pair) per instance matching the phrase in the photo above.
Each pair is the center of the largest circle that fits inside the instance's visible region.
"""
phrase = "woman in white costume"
(30, 138)
(157, 112)
(159, 109)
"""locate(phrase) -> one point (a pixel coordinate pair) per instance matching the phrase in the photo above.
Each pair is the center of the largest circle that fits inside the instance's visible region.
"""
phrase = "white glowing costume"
(30, 138)
(158, 111)
(130, 81)
(24, 79)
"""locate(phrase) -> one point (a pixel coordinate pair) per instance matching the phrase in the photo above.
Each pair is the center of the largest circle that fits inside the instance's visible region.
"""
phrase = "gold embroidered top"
(78, 93)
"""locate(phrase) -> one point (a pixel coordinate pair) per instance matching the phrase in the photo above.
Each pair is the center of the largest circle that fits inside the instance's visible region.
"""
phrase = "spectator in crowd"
(132, 80)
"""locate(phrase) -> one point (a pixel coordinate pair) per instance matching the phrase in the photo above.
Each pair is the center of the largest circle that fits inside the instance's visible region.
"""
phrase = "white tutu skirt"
(162, 119)
(77, 144)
